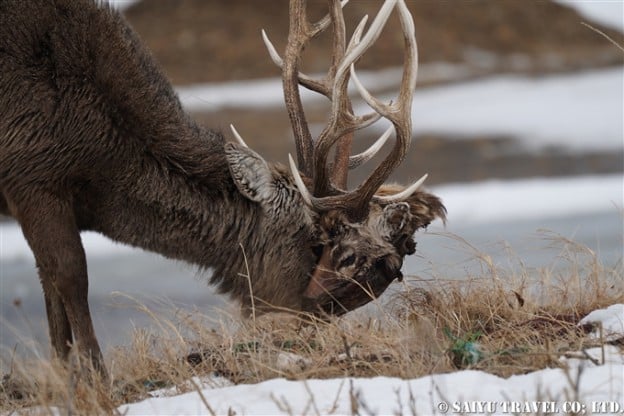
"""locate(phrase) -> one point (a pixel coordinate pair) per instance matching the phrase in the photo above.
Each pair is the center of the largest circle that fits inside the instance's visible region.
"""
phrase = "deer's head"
(361, 236)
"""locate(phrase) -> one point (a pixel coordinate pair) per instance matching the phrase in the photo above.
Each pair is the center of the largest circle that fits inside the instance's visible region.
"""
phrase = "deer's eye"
(318, 251)
(348, 261)
(380, 264)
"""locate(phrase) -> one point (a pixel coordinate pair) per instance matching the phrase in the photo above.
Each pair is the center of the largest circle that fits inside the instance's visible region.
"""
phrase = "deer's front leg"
(58, 323)
(50, 228)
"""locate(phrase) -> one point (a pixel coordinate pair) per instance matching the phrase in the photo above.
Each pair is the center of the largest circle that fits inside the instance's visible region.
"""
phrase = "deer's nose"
(390, 267)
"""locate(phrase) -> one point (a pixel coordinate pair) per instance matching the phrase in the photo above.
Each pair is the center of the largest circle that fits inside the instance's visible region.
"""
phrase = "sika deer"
(93, 137)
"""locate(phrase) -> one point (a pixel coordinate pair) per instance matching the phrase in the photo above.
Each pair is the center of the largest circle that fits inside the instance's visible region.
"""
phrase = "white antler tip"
(407, 192)
(303, 190)
(291, 163)
(275, 57)
(237, 136)
(416, 185)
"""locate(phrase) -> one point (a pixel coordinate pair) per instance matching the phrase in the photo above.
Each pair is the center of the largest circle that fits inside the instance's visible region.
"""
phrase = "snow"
(578, 111)
(121, 4)
(13, 246)
(606, 12)
(507, 200)
(608, 323)
(600, 383)
(383, 395)
(531, 198)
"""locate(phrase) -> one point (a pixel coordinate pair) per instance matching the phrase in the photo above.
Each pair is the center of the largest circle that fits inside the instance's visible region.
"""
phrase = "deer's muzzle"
(333, 293)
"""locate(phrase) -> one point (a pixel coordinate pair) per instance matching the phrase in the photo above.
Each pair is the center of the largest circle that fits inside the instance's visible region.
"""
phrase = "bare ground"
(219, 40)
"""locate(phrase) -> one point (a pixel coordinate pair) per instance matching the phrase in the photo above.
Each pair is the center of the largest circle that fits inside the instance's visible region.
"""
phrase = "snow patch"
(610, 319)
(517, 200)
(433, 394)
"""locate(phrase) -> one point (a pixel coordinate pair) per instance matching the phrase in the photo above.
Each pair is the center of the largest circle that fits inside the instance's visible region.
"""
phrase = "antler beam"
(328, 189)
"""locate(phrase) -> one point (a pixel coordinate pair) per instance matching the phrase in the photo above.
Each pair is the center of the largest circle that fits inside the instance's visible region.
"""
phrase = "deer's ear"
(251, 173)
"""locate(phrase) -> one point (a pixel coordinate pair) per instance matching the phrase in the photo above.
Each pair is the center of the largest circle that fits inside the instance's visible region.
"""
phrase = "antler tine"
(305, 80)
(368, 154)
(320, 86)
(406, 193)
(410, 72)
(399, 114)
(312, 156)
(237, 136)
(342, 120)
(340, 170)
(299, 34)
(322, 24)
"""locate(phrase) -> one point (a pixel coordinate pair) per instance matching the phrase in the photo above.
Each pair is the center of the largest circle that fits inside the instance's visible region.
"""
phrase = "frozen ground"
(466, 392)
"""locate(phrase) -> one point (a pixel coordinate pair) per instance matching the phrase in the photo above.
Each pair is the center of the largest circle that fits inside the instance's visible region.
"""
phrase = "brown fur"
(93, 137)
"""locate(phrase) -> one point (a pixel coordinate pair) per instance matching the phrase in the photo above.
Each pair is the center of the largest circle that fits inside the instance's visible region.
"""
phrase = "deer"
(93, 137)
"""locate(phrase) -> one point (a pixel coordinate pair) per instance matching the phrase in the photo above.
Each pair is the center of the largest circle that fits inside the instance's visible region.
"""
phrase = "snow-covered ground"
(465, 392)
(588, 382)
(531, 198)
(583, 386)
(577, 111)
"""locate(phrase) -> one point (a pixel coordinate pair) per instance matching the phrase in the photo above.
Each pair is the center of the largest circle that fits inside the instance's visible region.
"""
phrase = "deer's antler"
(328, 190)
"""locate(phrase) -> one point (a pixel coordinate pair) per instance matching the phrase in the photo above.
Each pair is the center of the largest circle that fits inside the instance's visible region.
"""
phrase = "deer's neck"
(182, 204)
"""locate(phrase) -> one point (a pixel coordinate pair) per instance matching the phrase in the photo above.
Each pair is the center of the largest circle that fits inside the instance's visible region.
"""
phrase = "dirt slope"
(218, 40)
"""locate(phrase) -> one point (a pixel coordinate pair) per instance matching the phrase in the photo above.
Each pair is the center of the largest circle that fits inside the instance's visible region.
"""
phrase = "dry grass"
(501, 322)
